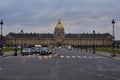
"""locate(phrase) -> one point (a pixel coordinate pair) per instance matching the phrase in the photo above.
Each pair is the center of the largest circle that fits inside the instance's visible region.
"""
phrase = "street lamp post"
(86, 45)
(15, 41)
(15, 49)
(21, 40)
(113, 39)
(1, 50)
(93, 41)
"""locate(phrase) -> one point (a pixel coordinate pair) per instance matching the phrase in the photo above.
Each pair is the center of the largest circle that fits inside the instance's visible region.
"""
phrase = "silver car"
(27, 51)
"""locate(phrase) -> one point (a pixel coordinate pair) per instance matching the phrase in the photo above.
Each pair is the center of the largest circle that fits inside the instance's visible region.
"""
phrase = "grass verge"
(109, 50)
(7, 49)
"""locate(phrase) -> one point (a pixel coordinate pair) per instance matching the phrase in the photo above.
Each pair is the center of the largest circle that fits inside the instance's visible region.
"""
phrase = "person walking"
(15, 52)
(1, 52)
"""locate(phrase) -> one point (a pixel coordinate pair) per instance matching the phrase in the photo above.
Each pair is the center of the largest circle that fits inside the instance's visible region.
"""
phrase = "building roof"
(31, 35)
(106, 35)
(59, 24)
(50, 35)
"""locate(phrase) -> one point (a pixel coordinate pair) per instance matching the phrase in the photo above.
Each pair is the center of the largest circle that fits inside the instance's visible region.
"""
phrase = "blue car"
(36, 50)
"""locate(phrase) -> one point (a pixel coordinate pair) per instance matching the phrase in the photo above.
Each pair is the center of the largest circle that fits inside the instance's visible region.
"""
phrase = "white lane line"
(84, 57)
(90, 57)
(73, 57)
(62, 56)
(50, 56)
(67, 56)
(79, 57)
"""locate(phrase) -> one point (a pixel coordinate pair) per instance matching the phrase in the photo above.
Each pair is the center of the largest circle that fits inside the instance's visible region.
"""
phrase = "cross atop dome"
(59, 21)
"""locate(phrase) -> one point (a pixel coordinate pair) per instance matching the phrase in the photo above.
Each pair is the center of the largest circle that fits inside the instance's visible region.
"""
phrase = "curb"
(8, 54)
(103, 55)
(109, 56)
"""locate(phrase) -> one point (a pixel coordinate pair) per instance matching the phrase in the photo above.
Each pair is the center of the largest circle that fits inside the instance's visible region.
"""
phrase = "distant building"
(59, 38)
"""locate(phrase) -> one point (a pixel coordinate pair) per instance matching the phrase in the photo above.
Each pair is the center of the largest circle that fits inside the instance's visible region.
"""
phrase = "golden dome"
(59, 25)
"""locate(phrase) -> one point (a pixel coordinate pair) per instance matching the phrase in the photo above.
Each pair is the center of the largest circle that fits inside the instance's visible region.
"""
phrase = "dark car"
(50, 51)
(44, 51)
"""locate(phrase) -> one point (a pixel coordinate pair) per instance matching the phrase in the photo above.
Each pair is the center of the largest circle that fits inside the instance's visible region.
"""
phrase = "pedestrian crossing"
(66, 56)
(80, 57)
(70, 57)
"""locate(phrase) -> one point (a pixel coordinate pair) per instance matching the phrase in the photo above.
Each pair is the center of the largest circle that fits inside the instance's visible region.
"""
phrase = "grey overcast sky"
(78, 16)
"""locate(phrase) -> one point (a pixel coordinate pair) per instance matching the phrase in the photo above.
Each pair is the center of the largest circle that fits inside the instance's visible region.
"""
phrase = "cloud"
(77, 15)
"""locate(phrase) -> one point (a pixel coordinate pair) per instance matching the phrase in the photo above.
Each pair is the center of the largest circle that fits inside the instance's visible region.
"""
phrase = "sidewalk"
(10, 53)
(105, 54)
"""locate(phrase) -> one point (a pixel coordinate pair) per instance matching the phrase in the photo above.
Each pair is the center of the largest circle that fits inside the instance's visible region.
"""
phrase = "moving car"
(26, 51)
(37, 49)
(44, 51)
(50, 51)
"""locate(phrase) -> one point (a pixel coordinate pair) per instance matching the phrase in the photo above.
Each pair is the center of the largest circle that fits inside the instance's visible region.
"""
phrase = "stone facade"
(59, 38)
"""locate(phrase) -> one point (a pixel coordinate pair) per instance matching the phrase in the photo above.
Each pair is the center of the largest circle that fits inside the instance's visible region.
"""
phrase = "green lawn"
(117, 50)
(7, 49)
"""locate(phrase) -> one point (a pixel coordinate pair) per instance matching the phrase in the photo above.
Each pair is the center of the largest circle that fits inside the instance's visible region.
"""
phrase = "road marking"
(73, 57)
(67, 56)
(84, 57)
(90, 57)
(62, 56)
(79, 56)
(50, 56)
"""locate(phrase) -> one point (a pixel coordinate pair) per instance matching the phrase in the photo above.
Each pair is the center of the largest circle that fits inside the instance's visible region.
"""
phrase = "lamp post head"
(113, 21)
(93, 31)
(21, 31)
(1, 22)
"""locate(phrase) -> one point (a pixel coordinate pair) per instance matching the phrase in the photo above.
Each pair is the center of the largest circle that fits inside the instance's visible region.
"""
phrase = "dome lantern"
(59, 25)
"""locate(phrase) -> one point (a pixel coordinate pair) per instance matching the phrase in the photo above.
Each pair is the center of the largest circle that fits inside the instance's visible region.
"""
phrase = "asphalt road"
(70, 65)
